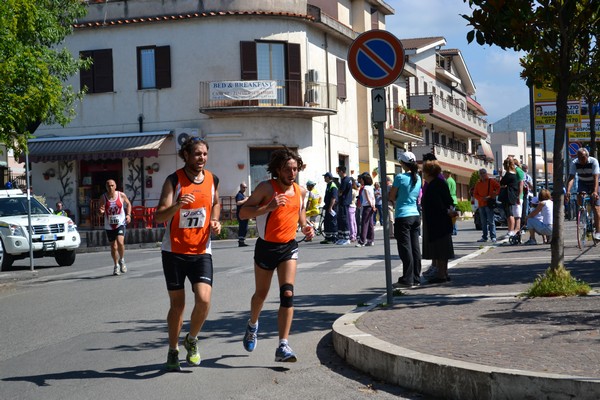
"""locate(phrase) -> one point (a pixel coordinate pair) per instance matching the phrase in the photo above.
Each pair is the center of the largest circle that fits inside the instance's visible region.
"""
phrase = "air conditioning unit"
(182, 134)
(312, 97)
(313, 76)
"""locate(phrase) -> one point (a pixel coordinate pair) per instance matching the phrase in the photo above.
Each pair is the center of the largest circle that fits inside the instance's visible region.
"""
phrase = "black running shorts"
(176, 267)
(112, 234)
(269, 255)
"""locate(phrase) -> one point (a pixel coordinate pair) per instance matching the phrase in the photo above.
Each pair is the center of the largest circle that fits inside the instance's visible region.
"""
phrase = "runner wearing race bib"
(189, 203)
(116, 209)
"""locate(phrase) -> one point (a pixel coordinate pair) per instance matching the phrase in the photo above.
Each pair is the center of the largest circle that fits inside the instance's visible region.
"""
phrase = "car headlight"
(16, 230)
(71, 227)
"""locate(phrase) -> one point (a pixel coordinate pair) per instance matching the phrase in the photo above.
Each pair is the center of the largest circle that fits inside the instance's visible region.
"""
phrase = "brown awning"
(96, 147)
(487, 149)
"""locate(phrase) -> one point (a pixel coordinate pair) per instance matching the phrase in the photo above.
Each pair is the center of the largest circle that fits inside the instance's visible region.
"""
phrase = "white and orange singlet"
(280, 225)
(188, 232)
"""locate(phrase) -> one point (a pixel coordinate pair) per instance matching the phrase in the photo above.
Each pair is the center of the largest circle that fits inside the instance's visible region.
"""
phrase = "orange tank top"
(188, 232)
(280, 225)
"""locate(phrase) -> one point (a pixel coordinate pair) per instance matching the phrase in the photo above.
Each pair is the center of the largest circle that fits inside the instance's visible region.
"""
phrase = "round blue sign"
(376, 58)
(573, 147)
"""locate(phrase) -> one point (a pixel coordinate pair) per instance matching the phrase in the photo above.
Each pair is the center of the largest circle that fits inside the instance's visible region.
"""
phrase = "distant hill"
(519, 121)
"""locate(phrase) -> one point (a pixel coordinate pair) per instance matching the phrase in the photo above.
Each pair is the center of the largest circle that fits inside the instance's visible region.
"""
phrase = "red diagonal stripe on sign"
(375, 57)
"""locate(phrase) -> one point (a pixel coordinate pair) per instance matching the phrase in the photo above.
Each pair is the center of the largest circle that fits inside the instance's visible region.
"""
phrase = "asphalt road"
(78, 332)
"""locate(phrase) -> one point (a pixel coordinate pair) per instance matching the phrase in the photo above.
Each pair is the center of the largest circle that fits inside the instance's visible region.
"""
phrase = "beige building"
(515, 144)
(455, 129)
(248, 76)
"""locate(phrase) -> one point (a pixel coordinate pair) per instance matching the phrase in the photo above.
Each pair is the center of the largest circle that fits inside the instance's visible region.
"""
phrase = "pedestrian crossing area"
(333, 266)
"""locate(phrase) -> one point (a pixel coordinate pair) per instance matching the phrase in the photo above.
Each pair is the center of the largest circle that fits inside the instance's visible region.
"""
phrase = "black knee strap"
(286, 301)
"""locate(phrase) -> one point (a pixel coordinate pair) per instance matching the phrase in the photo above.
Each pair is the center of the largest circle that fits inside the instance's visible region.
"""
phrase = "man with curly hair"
(278, 206)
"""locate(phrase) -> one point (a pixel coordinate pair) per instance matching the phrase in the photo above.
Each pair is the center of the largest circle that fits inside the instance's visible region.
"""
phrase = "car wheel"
(65, 258)
(6, 260)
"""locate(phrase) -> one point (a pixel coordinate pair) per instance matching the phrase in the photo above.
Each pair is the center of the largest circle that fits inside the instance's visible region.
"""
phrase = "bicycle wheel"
(319, 229)
(582, 220)
(591, 229)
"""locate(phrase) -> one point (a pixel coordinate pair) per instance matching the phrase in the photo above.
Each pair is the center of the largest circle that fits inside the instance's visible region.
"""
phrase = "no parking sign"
(573, 147)
(376, 58)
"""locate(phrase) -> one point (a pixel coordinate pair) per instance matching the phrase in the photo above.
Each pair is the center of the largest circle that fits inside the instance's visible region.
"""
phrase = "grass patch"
(557, 282)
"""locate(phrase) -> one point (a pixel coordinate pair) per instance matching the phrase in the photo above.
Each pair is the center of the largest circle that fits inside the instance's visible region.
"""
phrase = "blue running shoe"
(284, 353)
(250, 338)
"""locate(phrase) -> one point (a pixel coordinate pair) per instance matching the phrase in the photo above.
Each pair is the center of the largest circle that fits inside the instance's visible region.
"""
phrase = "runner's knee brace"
(286, 301)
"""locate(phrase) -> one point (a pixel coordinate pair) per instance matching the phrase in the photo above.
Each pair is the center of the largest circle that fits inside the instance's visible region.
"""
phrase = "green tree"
(33, 68)
(589, 87)
(552, 33)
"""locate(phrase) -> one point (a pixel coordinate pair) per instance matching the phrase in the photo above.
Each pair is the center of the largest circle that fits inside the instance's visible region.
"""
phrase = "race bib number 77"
(193, 218)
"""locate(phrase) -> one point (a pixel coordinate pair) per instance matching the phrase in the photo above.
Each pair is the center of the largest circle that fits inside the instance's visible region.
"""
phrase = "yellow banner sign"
(545, 115)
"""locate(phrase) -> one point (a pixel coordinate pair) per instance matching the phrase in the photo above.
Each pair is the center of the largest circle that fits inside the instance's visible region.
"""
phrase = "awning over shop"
(487, 149)
(96, 147)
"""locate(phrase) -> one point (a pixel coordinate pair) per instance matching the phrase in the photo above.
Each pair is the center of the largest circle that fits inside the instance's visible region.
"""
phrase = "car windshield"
(18, 206)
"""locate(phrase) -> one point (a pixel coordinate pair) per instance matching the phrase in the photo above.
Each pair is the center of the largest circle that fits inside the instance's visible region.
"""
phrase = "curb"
(446, 378)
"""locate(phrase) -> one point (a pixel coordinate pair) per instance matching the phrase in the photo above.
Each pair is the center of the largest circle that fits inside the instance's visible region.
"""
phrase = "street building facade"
(249, 77)
(455, 128)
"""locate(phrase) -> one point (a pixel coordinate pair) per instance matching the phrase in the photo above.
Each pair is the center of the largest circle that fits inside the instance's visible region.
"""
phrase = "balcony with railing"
(450, 156)
(268, 98)
(450, 112)
(406, 125)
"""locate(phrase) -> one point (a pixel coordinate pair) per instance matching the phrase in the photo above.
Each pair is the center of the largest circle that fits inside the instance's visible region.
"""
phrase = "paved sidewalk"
(474, 338)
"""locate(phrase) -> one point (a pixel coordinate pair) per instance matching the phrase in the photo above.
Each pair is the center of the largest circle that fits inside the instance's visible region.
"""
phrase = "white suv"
(53, 235)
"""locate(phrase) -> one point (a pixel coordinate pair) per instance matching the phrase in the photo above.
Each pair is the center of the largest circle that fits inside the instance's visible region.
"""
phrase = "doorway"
(93, 176)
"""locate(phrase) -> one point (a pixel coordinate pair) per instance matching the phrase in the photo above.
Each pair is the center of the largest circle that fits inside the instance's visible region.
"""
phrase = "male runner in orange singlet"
(278, 206)
(189, 203)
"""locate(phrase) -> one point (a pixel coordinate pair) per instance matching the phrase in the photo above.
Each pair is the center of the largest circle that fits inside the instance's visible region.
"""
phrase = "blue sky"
(495, 72)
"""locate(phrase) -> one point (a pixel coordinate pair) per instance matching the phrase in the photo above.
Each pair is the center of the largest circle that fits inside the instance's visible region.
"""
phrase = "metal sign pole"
(30, 228)
(380, 116)
(384, 214)
(366, 63)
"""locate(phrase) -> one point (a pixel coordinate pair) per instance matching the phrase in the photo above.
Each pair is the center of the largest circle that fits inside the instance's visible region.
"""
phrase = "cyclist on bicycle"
(588, 173)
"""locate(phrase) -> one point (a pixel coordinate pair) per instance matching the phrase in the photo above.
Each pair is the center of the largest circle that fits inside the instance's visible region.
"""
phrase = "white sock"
(283, 342)
(253, 325)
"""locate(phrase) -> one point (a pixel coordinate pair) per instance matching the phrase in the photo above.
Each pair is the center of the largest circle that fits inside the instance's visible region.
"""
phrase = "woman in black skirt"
(438, 210)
